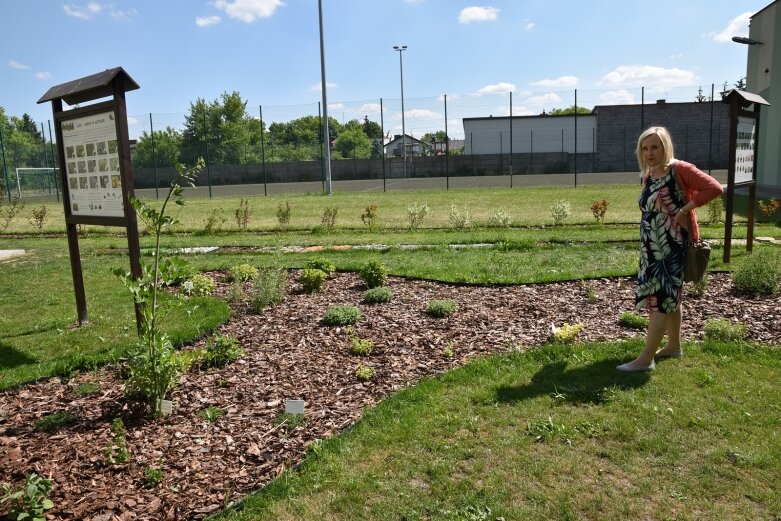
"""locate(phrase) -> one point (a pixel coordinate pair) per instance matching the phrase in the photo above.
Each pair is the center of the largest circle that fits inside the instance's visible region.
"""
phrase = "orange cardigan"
(698, 187)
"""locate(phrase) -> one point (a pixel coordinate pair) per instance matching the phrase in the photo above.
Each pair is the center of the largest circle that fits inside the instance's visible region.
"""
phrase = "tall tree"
(159, 148)
(353, 143)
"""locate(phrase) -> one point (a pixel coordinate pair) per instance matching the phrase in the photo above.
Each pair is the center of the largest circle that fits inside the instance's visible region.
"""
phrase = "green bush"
(202, 285)
(560, 210)
(222, 350)
(633, 320)
(364, 373)
(341, 316)
(759, 273)
(715, 210)
(374, 274)
(377, 296)
(242, 273)
(312, 279)
(322, 264)
(361, 346)
(29, 502)
(724, 330)
(441, 308)
(415, 214)
(55, 421)
(270, 288)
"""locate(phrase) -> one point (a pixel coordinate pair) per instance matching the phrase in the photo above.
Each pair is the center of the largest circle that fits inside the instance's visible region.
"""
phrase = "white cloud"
(478, 14)
(528, 25)
(617, 97)
(370, 108)
(206, 21)
(133, 121)
(43, 75)
(738, 26)
(422, 114)
(336, 106)
(86, 12)
(550, 98)
(16, 65)
(655, 78)
(318, 86)
(248, 10)
(500, 88)
(560, 82)
(117, 14)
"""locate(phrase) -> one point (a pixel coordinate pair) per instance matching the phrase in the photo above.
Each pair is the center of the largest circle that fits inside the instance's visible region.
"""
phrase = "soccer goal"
(35, 182)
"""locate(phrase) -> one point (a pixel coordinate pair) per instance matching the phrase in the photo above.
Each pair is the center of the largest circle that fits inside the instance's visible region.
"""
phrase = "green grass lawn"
(555, 433)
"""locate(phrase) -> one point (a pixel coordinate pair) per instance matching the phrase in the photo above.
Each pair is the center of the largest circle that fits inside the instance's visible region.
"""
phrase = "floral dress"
(662, 246)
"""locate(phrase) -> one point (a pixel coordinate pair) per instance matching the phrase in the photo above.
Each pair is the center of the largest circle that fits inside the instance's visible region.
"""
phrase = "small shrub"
(364, 373)
(560, 210)
(359, 346)
(243, 214)
(202, 285)
(715, 210)
(287, 422)
(377, 295)
(633, 320)
(242, 273)
(369, 216)
(449, 351)
(222, 350)
(329, 217)
(29, 502)
(210, 414)
(759, 273)
(39, 218)
(599, 208)
(374, 274)
(697, 289)
(214, 221)
(55, 421)
(459, 218)
(270, 288)
(7, 215)
(768, 208)
(322, 264)
(283, 214)
(724, 330)
(441, 308)
(591, 293)
(87, 389)
(341, 316)
(236, 292)
(312, 280)
(567, 333)
(500, 218)
(153, 476)
(415, 214)
(117, 451)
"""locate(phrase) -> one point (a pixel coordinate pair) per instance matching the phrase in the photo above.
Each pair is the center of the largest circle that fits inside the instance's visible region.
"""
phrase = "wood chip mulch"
(289, 354)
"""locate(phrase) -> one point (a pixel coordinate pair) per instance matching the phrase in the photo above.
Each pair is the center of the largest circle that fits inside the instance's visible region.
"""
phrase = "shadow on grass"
(590, 384)
(11, 357)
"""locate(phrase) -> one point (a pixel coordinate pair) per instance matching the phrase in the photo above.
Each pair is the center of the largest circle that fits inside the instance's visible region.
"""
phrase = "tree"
(700, 96)
(160, 148)
(439, 135)
(569, 111)
(353, 143)
(371, 128)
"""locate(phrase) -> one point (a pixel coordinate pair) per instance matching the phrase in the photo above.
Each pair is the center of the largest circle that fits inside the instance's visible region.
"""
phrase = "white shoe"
(628, 368)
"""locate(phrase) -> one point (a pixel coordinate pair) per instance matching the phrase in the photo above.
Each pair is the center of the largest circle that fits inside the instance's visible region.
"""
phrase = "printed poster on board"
(744, 150)
(92, 165)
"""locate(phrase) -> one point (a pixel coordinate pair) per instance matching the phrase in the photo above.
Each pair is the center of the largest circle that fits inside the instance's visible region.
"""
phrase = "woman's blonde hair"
(667, 145)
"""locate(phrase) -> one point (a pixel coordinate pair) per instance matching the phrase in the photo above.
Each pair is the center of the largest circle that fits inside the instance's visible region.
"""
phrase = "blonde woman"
(672, 189)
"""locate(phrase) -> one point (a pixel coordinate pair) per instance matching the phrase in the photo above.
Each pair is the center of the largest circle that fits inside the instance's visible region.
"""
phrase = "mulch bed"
(207, 466)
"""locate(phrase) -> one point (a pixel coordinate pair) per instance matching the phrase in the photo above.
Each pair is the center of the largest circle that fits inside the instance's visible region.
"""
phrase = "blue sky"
(475, 52)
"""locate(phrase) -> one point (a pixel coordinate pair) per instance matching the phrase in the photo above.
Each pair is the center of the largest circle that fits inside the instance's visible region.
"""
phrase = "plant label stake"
(294, 406)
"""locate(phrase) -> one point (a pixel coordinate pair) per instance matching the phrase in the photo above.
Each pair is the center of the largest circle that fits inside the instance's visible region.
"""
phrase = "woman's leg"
(673, 327)
(657, 323)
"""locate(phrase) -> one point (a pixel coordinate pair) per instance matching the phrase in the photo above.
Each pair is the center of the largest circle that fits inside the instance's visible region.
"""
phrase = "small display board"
(94, 184)
(744, 150)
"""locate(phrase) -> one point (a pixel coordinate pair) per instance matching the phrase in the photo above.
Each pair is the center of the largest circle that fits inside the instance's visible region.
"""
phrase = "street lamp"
(746, 41)
(401, 49)
(326, 137)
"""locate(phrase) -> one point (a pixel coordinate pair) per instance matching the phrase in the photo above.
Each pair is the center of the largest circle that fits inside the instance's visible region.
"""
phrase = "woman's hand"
(681, 220)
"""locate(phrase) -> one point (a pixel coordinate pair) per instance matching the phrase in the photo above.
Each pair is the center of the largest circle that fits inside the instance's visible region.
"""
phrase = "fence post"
(447, 151)
(5, 167)
(710, 132)
(206, 146)
(382, 131)
(531, 151)
(322, 151)
(511, 139)
(154, 155)
(262, 151)
(472, 151)
(576, 138)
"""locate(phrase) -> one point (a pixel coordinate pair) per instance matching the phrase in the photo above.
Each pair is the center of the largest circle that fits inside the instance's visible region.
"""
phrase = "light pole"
(401, 49)
(326, 137)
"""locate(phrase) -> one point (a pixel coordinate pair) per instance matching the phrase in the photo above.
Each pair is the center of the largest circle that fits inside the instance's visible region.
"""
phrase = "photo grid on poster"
(744, 150)
(92, 165)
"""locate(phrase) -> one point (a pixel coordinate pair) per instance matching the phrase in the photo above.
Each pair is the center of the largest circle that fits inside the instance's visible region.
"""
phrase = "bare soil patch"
(289, 354)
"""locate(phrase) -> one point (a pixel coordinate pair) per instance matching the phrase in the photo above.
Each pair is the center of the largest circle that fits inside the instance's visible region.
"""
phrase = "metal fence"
(602, 148)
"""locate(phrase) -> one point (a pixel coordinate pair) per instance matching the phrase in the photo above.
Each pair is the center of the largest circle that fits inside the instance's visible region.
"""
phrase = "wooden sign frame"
(114, 83)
